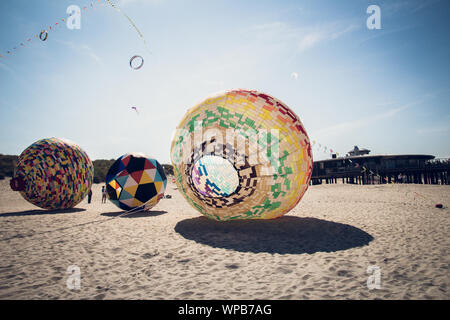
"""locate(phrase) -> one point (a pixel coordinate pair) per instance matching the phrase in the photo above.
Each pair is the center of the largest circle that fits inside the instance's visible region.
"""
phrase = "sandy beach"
(320, 250)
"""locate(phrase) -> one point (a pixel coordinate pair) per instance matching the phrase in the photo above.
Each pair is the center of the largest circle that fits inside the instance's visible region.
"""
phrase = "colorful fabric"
(135, 180)
(215, 176)
(57, 174)
(267, 188)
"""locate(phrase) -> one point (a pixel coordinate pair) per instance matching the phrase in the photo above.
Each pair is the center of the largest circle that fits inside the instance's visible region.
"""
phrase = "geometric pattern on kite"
(135, 180)
(241, 188)
(53, 173)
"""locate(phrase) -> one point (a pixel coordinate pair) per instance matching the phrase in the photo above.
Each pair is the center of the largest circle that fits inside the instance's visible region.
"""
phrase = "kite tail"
(132, 23)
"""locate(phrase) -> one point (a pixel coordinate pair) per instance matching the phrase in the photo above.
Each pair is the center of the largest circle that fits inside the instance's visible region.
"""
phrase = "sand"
(320, 250)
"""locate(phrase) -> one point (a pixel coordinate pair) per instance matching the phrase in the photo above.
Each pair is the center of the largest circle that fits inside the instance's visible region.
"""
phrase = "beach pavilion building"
(359, 167)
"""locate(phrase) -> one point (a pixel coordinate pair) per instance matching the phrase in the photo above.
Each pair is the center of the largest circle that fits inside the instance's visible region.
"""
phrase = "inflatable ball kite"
(242, 154)
(135, 180)
(53, 174)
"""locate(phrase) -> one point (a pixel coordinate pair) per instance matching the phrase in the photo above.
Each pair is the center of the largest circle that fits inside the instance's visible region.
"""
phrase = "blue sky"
(386, 90)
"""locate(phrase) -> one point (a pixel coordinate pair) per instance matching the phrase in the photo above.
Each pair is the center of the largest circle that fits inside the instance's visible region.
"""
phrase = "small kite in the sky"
(294, 75)
(43, 35)
(139, 60)
(135, 109)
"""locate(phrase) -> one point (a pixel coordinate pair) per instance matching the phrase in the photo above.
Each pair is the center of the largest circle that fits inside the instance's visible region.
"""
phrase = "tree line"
(101, 167)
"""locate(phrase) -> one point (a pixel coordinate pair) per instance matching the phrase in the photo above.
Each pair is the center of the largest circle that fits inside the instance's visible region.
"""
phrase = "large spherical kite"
(242, 155)
(135, 180)
(53, 174)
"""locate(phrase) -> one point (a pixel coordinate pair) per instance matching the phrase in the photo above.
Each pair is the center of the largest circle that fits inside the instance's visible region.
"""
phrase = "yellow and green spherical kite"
(242, 154)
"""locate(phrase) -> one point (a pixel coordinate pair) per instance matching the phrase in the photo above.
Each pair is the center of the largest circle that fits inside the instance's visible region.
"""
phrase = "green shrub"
(101, 168)
(7, 165)
(168, 169)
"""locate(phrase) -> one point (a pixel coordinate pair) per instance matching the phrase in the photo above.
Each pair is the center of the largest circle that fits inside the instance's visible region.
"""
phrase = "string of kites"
(136, 62)
(43, 35)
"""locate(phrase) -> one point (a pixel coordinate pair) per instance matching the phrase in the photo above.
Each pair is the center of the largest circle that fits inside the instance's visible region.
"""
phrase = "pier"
(380, 169)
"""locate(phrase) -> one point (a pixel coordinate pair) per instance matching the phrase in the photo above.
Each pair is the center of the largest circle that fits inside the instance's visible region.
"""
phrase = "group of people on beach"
(103, 195)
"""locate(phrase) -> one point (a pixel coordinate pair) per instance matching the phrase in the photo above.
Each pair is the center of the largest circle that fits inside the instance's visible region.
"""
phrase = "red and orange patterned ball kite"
(53, 174)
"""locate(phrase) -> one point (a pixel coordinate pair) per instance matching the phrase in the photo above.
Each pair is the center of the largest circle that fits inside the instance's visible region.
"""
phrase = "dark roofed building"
(358, 152)
(360, 167)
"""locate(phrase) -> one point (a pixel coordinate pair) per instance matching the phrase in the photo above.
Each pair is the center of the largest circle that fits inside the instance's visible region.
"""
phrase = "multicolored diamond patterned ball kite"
(53, 174)
(242, 154)
(135, 180)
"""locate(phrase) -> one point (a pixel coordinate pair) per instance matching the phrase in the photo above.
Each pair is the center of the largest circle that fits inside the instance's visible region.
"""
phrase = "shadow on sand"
(286, 235)
(136, 214)
(40, 212)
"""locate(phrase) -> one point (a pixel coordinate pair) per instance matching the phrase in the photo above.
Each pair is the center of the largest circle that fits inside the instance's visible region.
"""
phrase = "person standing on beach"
(89, 195)
(103, 194)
